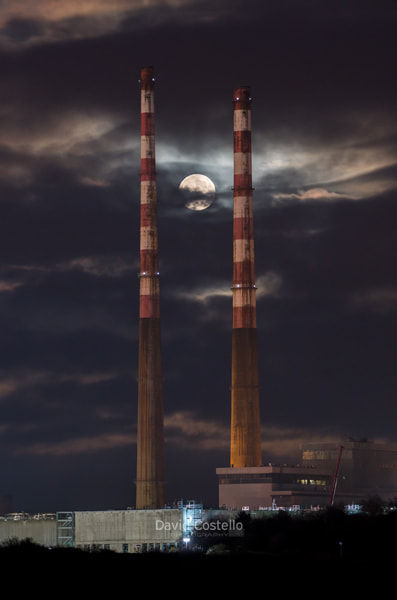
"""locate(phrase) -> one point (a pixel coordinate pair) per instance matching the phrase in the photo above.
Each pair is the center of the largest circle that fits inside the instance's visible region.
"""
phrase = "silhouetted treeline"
(326, 535)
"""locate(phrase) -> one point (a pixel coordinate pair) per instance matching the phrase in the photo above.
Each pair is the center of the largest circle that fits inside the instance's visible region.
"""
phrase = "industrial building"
(39, 528)
(259, 488)
(122, 531)
(365, 469)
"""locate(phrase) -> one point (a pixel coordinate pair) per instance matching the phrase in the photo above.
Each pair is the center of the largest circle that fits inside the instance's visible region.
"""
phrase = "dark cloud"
(22, 30)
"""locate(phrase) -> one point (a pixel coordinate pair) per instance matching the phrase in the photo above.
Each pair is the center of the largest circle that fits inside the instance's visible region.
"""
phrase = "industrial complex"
(345, 472)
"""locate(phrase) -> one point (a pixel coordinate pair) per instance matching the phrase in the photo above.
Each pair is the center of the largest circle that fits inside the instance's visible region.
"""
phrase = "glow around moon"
(198, 191)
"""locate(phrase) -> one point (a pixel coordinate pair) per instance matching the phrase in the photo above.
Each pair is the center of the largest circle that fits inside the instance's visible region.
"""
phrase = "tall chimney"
(245, 449)
(150, 485)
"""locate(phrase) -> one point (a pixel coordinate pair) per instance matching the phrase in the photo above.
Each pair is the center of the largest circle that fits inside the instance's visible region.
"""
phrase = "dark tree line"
(325, 535)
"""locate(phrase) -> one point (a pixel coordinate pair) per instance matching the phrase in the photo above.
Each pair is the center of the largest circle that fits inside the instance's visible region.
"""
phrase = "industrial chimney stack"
(150, 485)
(245, 448)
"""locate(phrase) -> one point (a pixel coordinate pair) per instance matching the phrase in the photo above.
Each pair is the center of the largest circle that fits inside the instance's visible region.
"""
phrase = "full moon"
(198, 191)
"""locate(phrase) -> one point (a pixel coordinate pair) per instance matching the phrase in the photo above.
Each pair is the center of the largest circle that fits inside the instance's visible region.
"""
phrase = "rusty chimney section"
(150, 485)
(245, 449)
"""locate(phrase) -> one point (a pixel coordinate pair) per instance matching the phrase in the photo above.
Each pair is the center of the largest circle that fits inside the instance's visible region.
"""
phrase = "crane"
(331, 500)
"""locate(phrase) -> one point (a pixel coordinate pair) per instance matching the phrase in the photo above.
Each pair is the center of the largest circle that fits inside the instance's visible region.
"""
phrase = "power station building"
(366, 469)
(260, 488)
(123, 531)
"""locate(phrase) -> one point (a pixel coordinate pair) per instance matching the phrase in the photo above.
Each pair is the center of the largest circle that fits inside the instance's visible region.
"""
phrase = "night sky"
(324, 143)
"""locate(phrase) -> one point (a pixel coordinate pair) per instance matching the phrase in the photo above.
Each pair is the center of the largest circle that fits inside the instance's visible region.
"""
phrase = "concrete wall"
(40, 531)
(118, 530)
(129, 530)
(236, 496)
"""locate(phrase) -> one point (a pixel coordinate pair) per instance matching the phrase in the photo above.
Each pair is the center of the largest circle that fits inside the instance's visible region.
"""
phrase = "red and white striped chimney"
(245, 450)
(150, 485)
